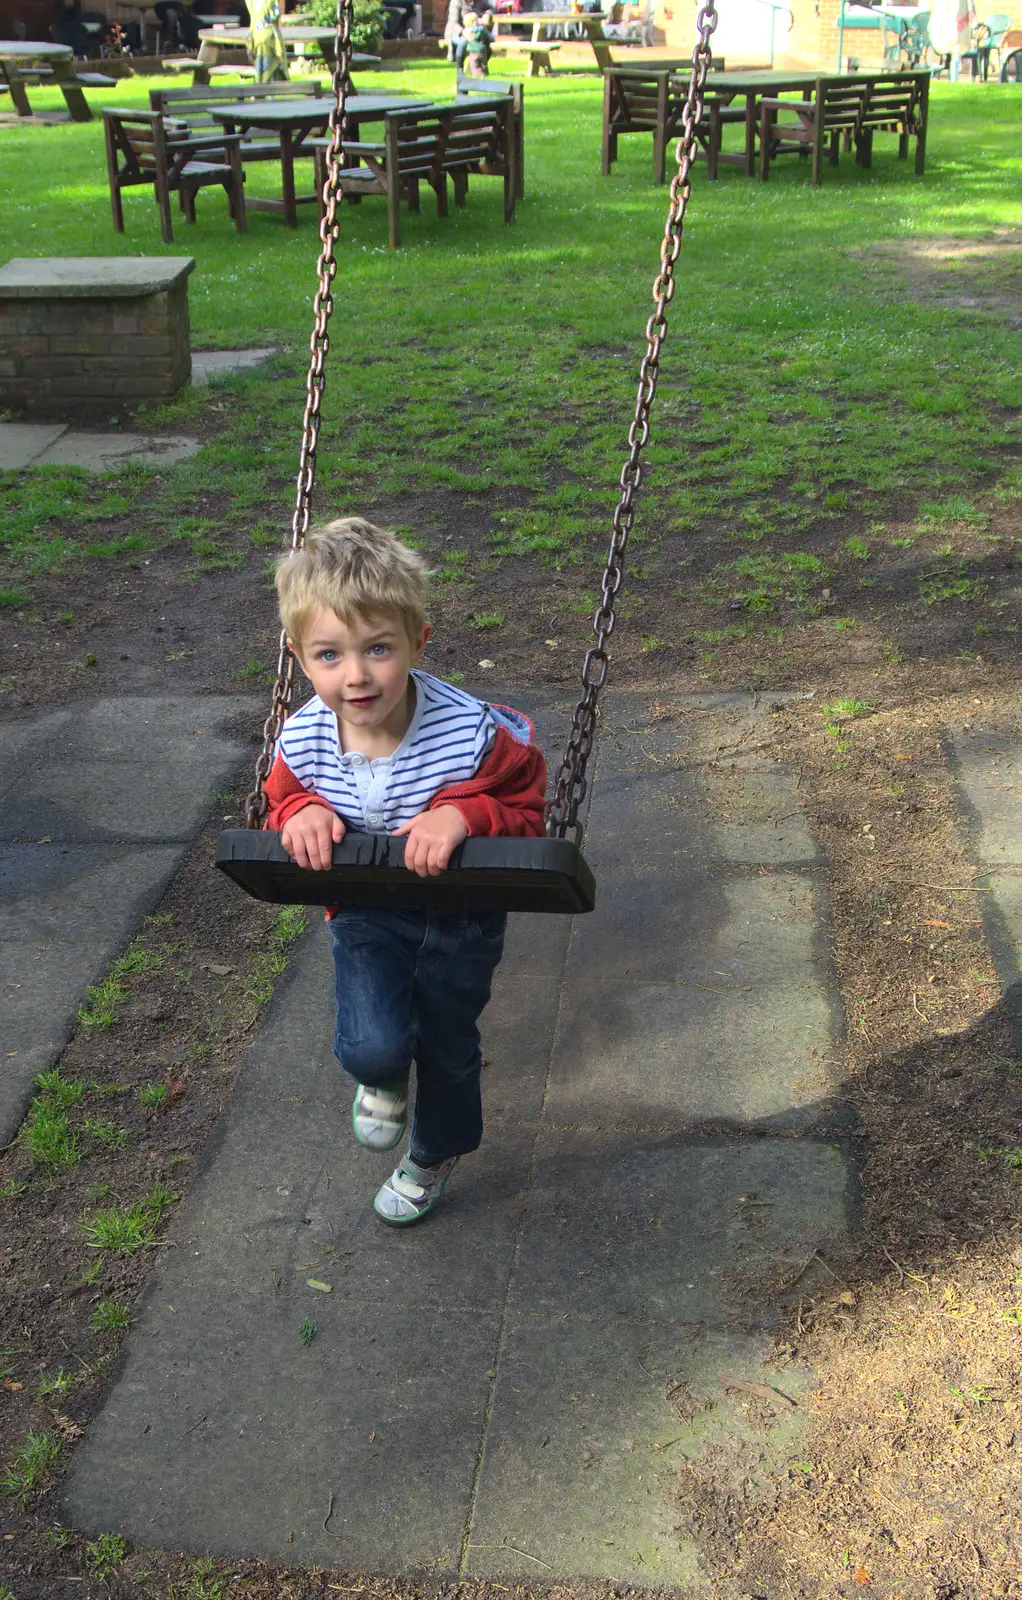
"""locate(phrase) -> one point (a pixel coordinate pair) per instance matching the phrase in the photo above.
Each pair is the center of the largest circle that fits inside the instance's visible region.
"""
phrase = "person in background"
(400, 17)
(266, 42)
(473, 50)
(452, 28)
(178, 24)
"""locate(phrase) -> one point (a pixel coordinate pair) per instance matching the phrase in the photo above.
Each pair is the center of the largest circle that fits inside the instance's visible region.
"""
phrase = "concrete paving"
(988, 768)
(25, 444)
(207, 364)
(507, 1390)
(99, 803)
(55, 444)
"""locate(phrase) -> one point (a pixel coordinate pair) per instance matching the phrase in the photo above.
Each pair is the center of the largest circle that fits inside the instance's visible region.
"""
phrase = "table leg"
(287, 174)
(750, 134)
(19, 94)
(209, 55)
(64, 77)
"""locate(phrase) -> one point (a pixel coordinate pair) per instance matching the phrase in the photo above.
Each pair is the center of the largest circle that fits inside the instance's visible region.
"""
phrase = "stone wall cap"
(91, 277)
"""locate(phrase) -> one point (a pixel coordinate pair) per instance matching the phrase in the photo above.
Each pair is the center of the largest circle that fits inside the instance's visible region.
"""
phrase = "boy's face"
(360, 668)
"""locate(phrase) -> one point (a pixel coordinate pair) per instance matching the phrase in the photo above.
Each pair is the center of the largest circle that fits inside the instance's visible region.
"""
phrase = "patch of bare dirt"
(965, 274)
(906, 1479)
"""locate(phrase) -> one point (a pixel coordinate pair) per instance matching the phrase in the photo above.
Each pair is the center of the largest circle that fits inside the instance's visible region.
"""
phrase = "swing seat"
(369, 873)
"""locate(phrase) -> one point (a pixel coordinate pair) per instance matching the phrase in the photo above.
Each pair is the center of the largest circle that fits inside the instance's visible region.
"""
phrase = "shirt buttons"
(374, 819)
(357, 760)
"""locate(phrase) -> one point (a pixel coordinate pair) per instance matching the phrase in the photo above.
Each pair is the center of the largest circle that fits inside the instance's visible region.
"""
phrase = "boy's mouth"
(361, 701)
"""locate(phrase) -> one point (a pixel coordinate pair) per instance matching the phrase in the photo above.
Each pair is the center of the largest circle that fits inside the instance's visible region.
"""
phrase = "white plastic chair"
(638, 30)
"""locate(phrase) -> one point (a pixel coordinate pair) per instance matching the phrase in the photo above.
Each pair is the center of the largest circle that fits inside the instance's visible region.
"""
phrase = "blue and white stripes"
(448, 740)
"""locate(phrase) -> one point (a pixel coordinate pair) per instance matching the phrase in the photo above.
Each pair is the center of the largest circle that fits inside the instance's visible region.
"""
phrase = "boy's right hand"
(310, 835)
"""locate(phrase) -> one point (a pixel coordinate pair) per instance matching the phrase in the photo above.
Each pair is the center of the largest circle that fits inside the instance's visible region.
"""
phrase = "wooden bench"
(849, 111)
(14, 79)
(538, 54)
(651, 100)
(897, 104)
(431, 144)
(495, 86)
(142, 149)
(820, 121)
(194, 107)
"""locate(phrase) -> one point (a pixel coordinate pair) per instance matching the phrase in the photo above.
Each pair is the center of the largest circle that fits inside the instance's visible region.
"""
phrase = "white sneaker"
(411, 1191)
(379, 1116)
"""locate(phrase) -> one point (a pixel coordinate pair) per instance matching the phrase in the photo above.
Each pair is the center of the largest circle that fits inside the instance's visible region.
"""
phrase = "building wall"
(812, 41)
(35, 14)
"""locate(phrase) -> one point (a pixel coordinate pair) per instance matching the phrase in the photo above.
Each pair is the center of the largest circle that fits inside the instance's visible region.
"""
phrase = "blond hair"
(353, 569)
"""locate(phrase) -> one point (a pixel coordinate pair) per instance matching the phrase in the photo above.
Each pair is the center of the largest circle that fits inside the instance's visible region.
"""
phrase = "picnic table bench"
(651, 99)
(194, 107)
(430, 144)
(847, 109)
(214, 41)
(294, 121)
(25, 60)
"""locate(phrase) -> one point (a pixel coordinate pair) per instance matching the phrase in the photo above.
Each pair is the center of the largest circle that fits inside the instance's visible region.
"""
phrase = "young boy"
(383, 747)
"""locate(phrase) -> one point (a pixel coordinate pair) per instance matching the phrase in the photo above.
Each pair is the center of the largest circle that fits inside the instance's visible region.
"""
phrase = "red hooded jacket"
(506, 796)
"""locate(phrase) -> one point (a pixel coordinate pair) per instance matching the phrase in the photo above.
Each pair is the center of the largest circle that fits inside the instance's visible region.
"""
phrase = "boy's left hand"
(431, 838)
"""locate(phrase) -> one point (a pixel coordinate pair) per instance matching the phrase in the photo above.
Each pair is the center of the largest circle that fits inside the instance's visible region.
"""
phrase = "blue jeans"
(410, 987)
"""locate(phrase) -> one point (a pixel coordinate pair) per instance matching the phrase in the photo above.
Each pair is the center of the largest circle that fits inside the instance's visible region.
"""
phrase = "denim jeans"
(411, 987)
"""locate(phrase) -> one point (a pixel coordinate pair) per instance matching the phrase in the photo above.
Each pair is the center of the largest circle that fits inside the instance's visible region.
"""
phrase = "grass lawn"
(832, 507)
(818, 383)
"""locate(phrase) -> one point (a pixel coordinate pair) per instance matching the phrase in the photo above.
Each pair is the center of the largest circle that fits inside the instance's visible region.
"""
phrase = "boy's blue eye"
(328, 655)
(378, 649)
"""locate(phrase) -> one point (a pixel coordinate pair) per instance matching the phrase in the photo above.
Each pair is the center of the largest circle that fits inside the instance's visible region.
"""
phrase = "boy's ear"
(420, 643)
(295, 651)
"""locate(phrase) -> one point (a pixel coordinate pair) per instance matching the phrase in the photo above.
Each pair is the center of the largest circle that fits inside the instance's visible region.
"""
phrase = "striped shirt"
(448, 739)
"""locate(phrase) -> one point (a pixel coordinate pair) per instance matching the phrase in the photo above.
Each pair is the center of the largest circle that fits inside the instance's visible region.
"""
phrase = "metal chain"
(319, 344)
(562, 816)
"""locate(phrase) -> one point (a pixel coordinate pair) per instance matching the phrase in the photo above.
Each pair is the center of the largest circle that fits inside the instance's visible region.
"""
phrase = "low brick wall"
(68, 346)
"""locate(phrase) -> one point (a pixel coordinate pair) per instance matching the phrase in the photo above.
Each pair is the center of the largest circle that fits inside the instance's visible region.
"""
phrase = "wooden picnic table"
(213, 41)
(16, 54)
(755, 86)
(538, 20)
(295, 122)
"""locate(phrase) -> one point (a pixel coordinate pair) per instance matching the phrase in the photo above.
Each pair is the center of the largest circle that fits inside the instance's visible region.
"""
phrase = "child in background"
(383, 747)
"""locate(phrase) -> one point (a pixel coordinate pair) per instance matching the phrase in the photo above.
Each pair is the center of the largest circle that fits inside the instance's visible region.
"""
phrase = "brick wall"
(813, 40)
(79, 354)
(35, 14)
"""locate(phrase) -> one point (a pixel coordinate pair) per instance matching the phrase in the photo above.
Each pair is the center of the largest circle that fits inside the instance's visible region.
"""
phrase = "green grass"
(104, 1555)
(501, 362)
(153, 1095)
(103, 999)
(29, 1464)
(109, 1315)
(59, 1384)
(128, 1228)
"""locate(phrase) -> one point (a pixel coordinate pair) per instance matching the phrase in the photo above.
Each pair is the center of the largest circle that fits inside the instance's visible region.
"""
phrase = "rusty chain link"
(319, 344)
(562, 817)
(571, 787)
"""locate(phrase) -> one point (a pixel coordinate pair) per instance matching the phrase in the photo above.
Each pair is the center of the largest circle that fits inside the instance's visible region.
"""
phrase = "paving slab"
(81, 862)
(624, 1228)
(207, 364)
(22, 442)
(674, 1229)
(359, 1451)
(99, 452)
(988, 772)
(581, 1468)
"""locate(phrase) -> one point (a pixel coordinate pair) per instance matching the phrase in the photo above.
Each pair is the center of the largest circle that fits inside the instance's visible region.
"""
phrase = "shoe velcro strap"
(382, 1104)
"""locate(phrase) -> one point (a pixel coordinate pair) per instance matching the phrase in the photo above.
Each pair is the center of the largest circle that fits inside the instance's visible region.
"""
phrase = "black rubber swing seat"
(369, 873)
